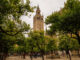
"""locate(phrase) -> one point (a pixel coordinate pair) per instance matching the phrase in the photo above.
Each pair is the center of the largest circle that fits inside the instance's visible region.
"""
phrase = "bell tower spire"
(38, 10)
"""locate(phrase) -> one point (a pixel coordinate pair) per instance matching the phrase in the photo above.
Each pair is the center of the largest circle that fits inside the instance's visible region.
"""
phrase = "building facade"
(38, 22)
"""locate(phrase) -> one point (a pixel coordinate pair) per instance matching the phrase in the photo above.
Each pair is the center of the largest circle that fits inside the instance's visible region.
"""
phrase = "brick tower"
(38, 22)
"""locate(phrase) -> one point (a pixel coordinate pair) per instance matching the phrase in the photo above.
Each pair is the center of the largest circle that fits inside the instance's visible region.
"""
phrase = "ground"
(28, 58)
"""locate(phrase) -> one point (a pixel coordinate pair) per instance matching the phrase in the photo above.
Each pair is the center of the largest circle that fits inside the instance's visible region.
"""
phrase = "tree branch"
(6, 32)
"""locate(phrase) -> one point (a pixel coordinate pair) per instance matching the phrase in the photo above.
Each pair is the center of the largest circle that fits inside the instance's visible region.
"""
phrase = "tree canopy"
(67, 43)
(10, 13)
(67, 19)
(11, 26)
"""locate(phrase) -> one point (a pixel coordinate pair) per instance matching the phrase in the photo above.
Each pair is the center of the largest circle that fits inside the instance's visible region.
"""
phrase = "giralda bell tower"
(38, 22)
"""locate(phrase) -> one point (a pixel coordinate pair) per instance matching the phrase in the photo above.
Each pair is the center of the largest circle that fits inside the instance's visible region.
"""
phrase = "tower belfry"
(38, 22)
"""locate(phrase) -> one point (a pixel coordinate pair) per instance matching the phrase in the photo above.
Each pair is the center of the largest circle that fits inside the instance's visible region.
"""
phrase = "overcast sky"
(46, 7)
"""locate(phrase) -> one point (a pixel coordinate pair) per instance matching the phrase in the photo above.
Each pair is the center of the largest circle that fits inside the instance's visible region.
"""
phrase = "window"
(38, 12)
(38, 18)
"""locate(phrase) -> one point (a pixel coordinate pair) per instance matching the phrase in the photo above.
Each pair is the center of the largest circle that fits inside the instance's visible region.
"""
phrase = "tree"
(68, 44)
(21, 46)
(67, 19)
(10, 23)
(37, 43)
(6, 42)
(52, 45)
(11, 15)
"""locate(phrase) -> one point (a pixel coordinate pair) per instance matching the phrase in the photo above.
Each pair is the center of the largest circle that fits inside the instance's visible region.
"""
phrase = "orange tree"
(67, 20)
(68, 44)
(10, 23)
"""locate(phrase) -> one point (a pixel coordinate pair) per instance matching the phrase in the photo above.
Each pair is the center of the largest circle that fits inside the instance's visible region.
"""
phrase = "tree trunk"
(24, 56)
(3, 57)
(30, 57)
(78, 37)
(79, 52)
(69, 56)
(51, 55)
(42, 57)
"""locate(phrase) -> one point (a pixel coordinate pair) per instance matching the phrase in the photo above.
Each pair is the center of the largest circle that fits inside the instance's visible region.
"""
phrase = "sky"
(47, 7)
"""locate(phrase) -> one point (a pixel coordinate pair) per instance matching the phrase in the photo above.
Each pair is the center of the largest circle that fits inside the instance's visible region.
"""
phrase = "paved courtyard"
(28, 58)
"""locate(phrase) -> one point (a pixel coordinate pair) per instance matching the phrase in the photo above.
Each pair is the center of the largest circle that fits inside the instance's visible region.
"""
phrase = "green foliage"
(10, 16)
(37, 42)
(52, 45)
(53, 19)
(21, 45)
(6, 42)
(66, 43)
(50, 19)
(11, 27)
(40, 43)
(67, 19)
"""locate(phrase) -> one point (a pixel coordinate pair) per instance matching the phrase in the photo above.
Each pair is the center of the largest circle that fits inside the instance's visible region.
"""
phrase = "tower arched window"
(38, 12)
(38, 18)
